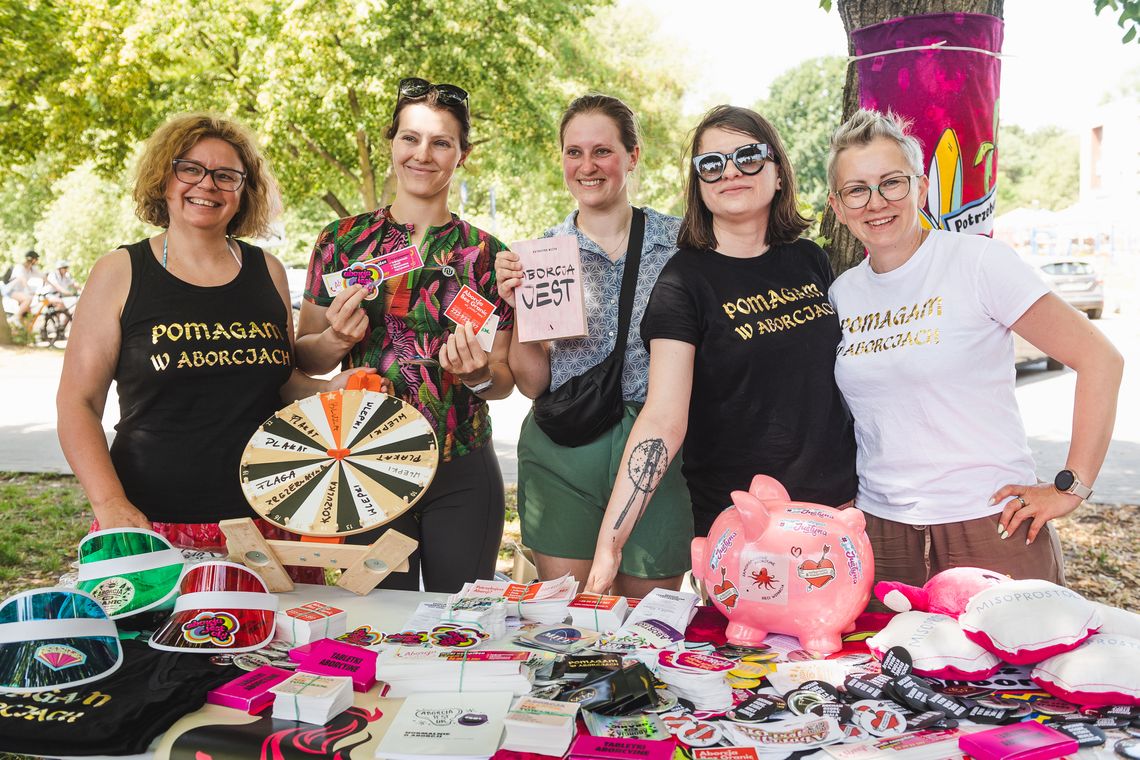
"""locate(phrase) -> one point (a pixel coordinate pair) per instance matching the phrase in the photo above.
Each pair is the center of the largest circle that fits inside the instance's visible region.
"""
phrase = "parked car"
(1078, 284)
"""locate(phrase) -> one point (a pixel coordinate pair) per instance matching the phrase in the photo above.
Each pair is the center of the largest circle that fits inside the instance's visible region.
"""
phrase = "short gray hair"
(863, 127)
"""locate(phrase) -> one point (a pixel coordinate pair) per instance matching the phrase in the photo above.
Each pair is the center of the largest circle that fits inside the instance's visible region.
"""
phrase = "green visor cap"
(129, 570)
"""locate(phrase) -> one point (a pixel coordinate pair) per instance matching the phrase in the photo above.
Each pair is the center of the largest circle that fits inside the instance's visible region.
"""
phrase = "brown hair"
(173, 139)
(785, 222)
(606, 105)
(431, 100)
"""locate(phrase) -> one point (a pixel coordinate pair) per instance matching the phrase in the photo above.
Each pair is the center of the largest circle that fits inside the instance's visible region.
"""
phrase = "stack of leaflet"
(311, 698)
(541, 726)
(489, 613)
(674, 608)
(542, 602)
(446, 725)
(560, 639)
(412, 671)
(698, 677)
(599, 612)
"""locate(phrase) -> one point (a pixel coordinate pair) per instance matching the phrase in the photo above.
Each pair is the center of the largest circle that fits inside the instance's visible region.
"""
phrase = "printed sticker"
(59, 656)
(817, 573)
(725, 592)
(114, 593)
(215, 628)
(764, 580)
(362, 636)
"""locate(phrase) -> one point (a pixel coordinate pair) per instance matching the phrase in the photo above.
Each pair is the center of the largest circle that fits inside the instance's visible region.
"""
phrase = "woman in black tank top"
(196, 329)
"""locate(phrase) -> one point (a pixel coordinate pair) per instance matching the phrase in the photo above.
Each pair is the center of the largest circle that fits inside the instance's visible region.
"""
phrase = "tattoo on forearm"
(647, 465)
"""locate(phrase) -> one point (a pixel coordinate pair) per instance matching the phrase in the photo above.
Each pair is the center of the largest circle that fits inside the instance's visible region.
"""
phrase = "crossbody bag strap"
(629, 280)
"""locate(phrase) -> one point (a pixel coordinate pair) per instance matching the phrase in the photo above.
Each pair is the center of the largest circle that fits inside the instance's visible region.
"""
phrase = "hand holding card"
(463, 357)
(348, 322)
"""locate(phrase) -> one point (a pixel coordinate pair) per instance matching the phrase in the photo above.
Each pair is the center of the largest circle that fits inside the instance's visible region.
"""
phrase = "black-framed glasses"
(892, 189)
(192, 173)
(749, 159)
(449, 94)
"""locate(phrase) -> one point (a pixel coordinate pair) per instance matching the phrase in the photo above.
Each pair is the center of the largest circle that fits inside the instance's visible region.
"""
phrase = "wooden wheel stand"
(363, 566)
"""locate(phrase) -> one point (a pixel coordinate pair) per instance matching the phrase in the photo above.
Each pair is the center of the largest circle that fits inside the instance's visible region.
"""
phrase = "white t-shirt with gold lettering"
(926, 365)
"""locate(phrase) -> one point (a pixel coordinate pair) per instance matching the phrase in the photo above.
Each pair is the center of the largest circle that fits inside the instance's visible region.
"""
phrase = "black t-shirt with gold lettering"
(200, 368)
(764, 397)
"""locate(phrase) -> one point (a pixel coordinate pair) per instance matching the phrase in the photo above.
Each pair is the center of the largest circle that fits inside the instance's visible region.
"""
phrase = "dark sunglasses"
(749, 159)
(449, 94)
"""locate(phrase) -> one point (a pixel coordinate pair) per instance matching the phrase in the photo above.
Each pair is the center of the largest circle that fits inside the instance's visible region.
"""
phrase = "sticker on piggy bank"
(781, 566)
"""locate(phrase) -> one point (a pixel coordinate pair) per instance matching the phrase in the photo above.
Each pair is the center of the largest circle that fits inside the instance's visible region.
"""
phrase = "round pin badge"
(666, 701)
(1129, 748)
(882, 722)
(250, 660)
(801, 700)
(1053, 706)
(962, 690)
(222, 659)
(472, 719)
(447, 270)
(700, 734)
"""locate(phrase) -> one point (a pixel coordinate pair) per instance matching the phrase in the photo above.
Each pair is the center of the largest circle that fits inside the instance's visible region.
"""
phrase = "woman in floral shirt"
(430, 362)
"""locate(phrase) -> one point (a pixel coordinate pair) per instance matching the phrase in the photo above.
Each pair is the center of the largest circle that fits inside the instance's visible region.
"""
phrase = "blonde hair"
(862, 128)
(177, 136)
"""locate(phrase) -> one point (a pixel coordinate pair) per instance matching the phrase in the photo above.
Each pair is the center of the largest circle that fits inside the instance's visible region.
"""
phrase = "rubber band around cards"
(55, 638)
(224, 607)
(129, 570)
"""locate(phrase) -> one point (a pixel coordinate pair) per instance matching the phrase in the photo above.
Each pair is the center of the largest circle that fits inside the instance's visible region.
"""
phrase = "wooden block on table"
(247, 546)
(389, 553)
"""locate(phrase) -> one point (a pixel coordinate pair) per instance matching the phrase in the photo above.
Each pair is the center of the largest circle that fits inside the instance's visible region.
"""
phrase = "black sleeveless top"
(200, 368)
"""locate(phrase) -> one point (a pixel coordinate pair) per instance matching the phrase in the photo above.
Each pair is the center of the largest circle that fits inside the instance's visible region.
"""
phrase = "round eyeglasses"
(192, 173)
(892, 189)
(749, 159)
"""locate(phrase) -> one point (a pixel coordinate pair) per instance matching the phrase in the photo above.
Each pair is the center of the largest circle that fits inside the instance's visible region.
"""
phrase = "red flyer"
(469, 307)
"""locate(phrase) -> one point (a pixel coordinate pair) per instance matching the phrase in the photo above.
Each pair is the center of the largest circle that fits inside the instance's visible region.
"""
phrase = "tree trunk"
(5, 330)
(844, 250)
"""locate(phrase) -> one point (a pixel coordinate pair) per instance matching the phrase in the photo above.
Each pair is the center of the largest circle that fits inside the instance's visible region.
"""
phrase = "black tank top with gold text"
(200, 368)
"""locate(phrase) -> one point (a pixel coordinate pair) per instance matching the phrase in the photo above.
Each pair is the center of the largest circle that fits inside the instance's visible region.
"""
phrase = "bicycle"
(48, 321)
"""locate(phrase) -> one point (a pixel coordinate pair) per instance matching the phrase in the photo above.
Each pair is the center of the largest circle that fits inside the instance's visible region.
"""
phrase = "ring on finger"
(1024, 503)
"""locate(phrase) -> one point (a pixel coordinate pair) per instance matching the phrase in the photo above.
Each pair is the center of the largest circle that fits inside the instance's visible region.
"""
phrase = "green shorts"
(563, 493)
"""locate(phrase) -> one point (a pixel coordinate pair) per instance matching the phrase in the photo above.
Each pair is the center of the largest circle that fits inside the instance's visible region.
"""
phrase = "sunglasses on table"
(192, 173)
(892, 189)
(749, 159)
(449, 94)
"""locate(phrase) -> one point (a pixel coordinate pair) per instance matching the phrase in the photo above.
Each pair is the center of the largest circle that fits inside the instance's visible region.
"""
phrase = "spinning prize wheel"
(328, 466)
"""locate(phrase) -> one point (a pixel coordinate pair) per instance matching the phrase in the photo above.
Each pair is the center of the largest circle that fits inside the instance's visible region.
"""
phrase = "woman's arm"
(463, 357)
(653, 444)
(529, 362)
(1066, 335)
(327, 334)
(88, 368)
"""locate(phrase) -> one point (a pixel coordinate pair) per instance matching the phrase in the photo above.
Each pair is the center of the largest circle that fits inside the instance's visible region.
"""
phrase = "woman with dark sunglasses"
(400, 329)
(195, 327)
(742, 345)
(563, 491)
(925, 362)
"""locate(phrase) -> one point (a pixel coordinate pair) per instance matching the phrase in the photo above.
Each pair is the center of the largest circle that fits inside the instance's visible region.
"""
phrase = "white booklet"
(446, 725)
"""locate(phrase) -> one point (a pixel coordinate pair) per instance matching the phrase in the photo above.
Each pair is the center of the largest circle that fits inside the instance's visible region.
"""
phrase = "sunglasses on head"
(749, 159)
(449, 94)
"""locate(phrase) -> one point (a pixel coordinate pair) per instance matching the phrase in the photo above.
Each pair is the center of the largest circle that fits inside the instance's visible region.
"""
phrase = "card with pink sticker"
(370, 273)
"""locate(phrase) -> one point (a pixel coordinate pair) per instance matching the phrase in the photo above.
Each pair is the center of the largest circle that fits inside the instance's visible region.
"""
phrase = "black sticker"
(754, 709)
(897, 662)
(947, 704)
(915, 691)
(841, 712)
(822, 688)
(1112, 721)
(866, 687)
(962, 690)
(924, 720)
(1129, 748)
(1086, 735)
(987, 715)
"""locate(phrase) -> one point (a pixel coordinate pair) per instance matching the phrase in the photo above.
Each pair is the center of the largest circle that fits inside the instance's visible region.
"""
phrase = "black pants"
(458, 522)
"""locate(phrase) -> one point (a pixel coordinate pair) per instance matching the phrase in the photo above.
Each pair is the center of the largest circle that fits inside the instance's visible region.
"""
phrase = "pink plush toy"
(945, 593)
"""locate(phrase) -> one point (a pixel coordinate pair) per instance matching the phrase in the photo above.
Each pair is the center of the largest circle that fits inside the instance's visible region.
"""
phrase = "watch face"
(1064, 480)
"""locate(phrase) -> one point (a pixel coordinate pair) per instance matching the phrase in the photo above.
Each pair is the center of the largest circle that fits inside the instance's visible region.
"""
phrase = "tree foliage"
(1127, 16)
(1037, 169)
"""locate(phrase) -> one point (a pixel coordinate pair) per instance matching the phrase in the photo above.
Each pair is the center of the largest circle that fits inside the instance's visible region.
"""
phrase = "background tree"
(1038, 169)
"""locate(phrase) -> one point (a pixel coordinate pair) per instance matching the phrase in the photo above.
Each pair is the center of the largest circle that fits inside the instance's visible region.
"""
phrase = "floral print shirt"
(601, 283)
(407, 326)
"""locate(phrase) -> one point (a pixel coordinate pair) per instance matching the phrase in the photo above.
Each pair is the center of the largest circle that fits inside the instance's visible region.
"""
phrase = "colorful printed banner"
(941, 71)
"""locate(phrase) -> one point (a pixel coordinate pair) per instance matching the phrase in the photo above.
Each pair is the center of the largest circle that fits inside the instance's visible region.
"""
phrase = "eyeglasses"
(749, 159)
(192, 173)
(892, 189)
(449, 94)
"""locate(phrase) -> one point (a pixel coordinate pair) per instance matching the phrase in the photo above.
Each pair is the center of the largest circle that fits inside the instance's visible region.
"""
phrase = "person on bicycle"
(60, 282)
(21, 287)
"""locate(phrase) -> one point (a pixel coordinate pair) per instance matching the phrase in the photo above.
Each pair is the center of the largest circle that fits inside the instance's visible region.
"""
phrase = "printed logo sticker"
(455, 637)
(59, 656)
(817, 573)
(764, 580)
(114, 593)
(362, 636)
(725, 592)
(854, 564)
(407, 638)
(722, 546)
(215, 628)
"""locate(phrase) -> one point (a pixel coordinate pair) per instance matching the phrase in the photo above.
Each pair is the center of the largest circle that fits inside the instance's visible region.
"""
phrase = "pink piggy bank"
(777, 566)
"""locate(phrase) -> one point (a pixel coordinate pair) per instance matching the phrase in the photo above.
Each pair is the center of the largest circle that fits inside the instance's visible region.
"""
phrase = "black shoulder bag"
(590, 404)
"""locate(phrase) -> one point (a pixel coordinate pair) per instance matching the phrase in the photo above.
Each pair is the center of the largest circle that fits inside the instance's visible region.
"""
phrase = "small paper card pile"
(674, 608)
(311, 698)
(542, 726)
(335, 658)
(637, 726)
(446, 725)
(309, 622)
(561, 639)
(599, 612)
(411, 671)
(697, 677)
(249, 691)
(543, 602)
(602, 748)
(489, 613)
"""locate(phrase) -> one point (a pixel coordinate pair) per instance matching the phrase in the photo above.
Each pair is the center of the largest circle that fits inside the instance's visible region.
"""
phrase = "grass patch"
(42, 518)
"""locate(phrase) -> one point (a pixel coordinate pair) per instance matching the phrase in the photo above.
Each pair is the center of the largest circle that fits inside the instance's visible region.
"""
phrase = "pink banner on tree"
(941, 70)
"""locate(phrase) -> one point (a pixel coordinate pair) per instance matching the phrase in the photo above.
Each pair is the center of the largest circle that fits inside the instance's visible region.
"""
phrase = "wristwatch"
(1068, 482)
(483, 386)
